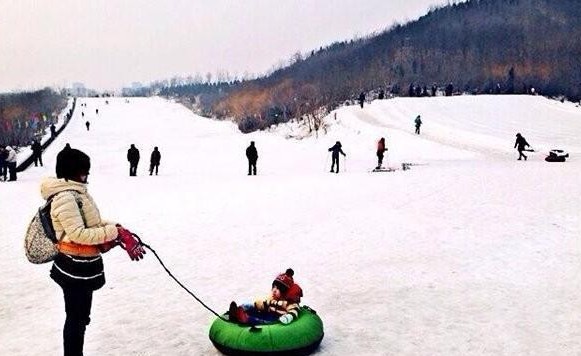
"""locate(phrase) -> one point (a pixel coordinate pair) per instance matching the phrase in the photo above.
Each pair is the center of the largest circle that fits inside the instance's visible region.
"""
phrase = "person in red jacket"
(380, 151)
(281, 305)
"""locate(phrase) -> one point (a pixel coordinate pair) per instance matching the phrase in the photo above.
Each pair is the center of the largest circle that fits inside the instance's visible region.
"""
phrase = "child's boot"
(232, 312)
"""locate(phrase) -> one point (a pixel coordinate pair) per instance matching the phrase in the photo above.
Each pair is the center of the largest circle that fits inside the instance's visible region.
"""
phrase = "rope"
(175, 279)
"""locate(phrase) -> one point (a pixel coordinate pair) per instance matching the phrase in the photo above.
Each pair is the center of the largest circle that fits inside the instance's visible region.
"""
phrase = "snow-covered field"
(470, 253)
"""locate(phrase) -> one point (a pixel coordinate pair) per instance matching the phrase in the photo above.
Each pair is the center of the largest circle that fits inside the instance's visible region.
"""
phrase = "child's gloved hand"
(286, 319)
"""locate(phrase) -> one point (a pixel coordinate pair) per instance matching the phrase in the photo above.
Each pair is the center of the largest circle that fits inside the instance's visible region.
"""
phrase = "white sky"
(108, 44)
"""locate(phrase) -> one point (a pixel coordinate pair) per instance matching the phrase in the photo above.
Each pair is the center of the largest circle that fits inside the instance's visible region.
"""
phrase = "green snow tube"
(301, 337)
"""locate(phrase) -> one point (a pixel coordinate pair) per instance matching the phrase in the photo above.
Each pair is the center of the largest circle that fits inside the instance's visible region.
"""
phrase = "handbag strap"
(77, 199)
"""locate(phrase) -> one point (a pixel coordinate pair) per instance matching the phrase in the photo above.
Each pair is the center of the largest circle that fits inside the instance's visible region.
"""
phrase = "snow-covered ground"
(470, 253)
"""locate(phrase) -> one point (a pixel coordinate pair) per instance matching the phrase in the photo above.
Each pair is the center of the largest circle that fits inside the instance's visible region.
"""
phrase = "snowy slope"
(472, 253)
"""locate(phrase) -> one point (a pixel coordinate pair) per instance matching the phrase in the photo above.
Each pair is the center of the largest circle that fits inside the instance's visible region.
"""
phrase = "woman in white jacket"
(82, 237)
(11, 160)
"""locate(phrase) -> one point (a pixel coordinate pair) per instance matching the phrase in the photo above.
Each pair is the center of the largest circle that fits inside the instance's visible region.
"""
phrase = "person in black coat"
(336, 149)
(520, 144)
(133, 158)
(37, 153)
(252, 155)
(154, 161)
(361, 99)
(381, 94)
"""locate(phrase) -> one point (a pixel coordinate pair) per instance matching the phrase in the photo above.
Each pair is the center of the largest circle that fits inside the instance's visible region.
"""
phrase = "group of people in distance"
(133, 158)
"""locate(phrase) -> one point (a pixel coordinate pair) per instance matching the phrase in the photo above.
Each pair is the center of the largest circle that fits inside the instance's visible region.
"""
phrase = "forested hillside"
(479, 46)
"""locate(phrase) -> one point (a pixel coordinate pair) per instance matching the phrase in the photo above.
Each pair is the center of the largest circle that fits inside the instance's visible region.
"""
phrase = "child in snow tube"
(282, 304)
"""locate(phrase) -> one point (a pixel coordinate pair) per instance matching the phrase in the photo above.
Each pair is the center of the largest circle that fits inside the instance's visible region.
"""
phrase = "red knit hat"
(284, 280)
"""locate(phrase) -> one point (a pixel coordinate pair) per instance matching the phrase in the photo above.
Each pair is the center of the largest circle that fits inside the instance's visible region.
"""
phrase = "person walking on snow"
(380, 151)
(418, 122)
(252, 155)
(82, 237)
(133, 158)
(154, 161)
(336, 149)
(87, 123)
(520, 144)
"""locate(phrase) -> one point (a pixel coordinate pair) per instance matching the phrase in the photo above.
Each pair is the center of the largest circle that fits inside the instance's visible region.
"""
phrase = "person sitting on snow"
(282, 304)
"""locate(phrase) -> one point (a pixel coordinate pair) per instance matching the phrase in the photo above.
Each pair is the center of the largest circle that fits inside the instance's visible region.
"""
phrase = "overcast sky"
(107, 44)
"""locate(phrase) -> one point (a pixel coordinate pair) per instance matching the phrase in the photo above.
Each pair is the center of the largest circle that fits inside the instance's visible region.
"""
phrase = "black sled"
(557, 156)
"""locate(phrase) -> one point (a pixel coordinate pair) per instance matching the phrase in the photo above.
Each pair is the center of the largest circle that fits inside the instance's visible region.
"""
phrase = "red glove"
(130, 244)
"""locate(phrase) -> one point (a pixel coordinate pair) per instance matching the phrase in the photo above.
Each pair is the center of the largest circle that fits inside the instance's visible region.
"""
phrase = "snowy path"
(472, 254)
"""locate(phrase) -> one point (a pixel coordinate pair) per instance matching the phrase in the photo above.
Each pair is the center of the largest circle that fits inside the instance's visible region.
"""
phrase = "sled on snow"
(557, 156)
(403, 167)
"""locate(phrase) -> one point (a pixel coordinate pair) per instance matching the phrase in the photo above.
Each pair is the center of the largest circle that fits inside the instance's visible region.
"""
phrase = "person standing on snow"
(336, 149)
(520, 144)
(154, 161)
(36, 153)
(418, 122)
(252, 155)
(133, 158)
(11, 163)
(380, 151)
(361, 99)
(82, 237)
(87, 123)
(3, 163)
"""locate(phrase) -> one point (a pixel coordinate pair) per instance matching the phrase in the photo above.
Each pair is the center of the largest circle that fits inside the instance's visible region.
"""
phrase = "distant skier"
(36, 153)
(361, 99)
(52, 130)
(336, 149)
(133, 158)
(380, 151)
(154, 161)
(97, 111)
(252, 155)
(88, 124)
(418, 122)
(520, 144)
(82, 114)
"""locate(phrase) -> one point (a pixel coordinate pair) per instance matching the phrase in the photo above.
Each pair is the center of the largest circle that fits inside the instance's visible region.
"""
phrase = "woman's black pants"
(78, 308)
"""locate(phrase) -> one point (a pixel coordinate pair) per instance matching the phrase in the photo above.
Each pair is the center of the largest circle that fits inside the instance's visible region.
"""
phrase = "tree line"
(478, 47)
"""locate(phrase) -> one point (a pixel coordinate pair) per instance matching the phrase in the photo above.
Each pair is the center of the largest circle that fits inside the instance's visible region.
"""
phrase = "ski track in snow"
(473, 253)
